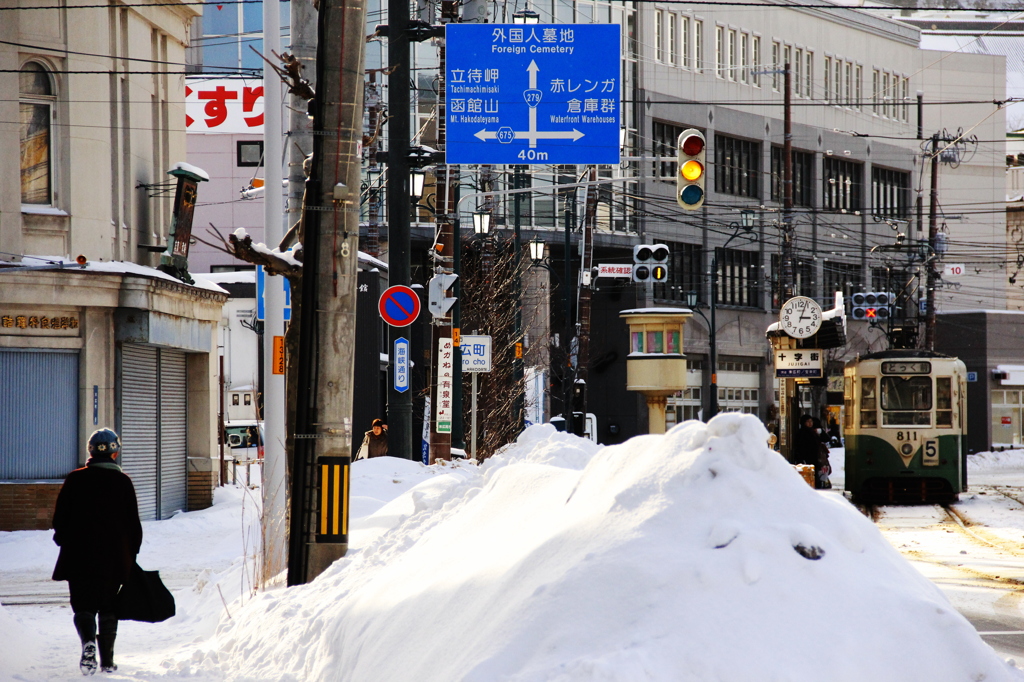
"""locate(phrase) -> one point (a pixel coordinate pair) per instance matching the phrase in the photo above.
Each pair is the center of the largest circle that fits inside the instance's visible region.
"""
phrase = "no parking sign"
(399, 305)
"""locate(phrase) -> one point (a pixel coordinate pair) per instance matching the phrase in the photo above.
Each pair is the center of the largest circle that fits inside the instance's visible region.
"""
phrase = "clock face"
(800, 317)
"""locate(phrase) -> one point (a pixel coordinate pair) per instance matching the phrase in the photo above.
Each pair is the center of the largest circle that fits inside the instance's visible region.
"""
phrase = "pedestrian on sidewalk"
(96, 524)
(375, 441)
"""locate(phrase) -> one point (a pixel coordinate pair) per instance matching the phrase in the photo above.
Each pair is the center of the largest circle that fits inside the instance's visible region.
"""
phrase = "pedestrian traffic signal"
(438, 301)
(873, 306)
(650, 263)
(692, 170)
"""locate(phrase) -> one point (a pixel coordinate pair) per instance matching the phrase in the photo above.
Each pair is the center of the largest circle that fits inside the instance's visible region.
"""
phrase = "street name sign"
(401, 360)
(533, 93)
(800, 363)
(476, 353)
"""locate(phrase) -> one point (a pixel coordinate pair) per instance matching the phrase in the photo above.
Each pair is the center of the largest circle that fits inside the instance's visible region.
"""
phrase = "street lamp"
(537, 249)
(526, 16)
(417, 179)
(742, 228)
(481, 222)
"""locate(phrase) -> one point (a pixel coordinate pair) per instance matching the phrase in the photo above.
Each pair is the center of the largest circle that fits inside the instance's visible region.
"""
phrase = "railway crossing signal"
(873, 306)
(650, 263)
(692, 169)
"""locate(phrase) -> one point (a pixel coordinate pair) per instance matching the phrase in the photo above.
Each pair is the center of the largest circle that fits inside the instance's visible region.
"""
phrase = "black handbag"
(144, 597)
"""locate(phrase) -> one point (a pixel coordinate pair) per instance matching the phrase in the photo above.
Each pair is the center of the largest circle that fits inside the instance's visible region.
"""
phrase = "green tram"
(905, 422)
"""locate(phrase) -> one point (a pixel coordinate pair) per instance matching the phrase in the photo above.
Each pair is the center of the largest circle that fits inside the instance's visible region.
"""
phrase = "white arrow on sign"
(532, 99)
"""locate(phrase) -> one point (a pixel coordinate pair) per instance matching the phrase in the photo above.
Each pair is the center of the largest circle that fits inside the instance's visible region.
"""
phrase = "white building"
(98, 93)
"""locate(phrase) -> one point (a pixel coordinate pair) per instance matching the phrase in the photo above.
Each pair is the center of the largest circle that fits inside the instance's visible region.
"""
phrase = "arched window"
(37, 99)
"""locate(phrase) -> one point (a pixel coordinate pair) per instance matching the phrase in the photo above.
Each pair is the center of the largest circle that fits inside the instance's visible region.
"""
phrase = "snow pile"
(984, 462)
(699, 555)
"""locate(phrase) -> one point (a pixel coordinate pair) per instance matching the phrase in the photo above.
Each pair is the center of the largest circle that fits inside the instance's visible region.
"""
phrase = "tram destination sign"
(533, 93)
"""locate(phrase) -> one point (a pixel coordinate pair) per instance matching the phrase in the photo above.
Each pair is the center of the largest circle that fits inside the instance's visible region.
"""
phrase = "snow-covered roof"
(189, 168)
(656, 311)
(112, 267)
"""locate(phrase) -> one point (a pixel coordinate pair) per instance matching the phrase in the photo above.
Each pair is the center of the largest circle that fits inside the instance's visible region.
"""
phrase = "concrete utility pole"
(933, 231)
(319, 523)
(275, 500)
(787, 284)
(585, 292)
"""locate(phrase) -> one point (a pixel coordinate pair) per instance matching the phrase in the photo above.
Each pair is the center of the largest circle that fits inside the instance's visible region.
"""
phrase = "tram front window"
(906, 401)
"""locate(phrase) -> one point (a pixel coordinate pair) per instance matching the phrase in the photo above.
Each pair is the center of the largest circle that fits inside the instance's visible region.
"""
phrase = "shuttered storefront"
(38, 414)
(153, 409)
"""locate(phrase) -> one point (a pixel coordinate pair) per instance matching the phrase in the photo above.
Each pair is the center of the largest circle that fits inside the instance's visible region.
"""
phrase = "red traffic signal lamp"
(692, 169)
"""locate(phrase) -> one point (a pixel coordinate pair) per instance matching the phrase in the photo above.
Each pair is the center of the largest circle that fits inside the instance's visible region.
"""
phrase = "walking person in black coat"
(96, 524)
(806, 442)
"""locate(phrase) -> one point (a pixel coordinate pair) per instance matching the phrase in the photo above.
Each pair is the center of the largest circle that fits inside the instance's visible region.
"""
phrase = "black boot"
(108, 633)
(85, 623)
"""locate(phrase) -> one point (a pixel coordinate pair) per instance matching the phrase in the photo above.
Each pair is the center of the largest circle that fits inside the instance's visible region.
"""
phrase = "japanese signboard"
(533, 93)
(401, 361)
(224, 105)
(33, 322)
(476, 353)
(445, 363)
(616, 270)
(799, 363)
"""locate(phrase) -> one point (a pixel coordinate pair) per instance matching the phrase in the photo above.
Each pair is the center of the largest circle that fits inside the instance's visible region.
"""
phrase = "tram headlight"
(906, 448)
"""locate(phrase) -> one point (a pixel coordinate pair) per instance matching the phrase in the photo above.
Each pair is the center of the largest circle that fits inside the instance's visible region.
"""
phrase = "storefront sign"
(224, 105)
(38, 323)
(445, 365)
(804, 363)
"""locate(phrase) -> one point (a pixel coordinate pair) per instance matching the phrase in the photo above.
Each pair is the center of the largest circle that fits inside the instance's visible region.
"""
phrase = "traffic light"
(650, 263)
(438, 301)
(873, 306)
(692, 169)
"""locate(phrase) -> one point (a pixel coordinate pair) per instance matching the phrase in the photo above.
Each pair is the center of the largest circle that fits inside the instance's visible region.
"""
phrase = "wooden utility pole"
(327, 328)
(586, 264)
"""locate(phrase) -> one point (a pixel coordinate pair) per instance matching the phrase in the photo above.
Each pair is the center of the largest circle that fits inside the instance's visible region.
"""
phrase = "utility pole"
(400, 432)
(517, 373)
(933, 231)
(323, 434)
(275, 485)
(585, 292)
(373, 107)
(788, 400)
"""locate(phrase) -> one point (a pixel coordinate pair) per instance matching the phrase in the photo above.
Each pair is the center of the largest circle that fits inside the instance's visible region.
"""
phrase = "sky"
(697, 555)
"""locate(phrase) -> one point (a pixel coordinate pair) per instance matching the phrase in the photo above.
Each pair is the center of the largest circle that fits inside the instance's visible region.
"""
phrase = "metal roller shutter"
(173, 432)
(140, 428)
(38, 414)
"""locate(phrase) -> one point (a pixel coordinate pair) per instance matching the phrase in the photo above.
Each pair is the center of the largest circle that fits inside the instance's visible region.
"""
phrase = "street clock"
(800, 317)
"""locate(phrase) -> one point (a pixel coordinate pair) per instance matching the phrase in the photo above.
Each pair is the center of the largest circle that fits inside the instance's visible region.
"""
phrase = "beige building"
(94, 117)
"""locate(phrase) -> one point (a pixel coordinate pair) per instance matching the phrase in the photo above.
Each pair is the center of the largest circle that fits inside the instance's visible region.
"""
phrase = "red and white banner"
(224, 105)
(615, 270)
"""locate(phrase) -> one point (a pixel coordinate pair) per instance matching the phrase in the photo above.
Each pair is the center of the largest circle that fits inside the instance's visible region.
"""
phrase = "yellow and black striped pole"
(333, 494)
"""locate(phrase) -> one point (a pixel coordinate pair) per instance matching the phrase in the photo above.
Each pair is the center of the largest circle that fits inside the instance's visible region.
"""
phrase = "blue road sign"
(972, 376)
(261, 288)
(533, 93)
(401, 366)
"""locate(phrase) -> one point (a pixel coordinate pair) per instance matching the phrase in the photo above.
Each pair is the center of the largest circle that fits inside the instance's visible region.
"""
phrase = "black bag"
(144, 597)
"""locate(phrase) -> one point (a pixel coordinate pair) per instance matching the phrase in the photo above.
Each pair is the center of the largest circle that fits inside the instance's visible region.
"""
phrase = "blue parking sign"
(533, 93)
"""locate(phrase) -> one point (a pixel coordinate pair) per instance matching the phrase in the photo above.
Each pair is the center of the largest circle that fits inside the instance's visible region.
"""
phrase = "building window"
(905, 98)
(720, 52)
(249, 153)
(809, 75)
(890, 191)
(698, 44)
(659, 35)
(887, 96)
(733, 58)
(739, 281)
(876, 81)
(837, 82)
(744, 57)
(828, 78)
(36, 108)
(803, 170)
(798, 72)
(848, 71)
(685, 274)
(841, 185)
(234, 398)
(673, 51)
(684, 33)
(776, 65)
(666, 136)
(803, 279)
(737, 167)
(859, 83)
(844, 277)
(755, 76)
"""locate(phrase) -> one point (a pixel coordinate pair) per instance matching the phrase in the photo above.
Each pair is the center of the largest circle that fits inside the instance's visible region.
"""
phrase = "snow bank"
(699, 555)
